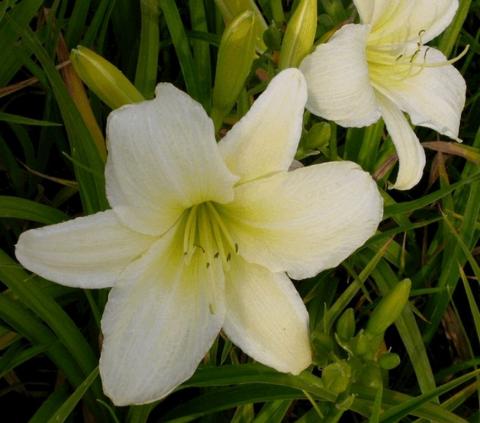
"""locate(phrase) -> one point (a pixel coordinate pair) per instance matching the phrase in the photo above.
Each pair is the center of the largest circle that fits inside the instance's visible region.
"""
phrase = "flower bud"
(346, 325)
(389, 308)
(323, 346)
(103, 78)
(389, 361)
(230, 9)
(300, 34)
(235, 58)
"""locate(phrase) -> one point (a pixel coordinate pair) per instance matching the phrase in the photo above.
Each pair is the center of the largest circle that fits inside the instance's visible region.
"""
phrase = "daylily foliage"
(201, 236)
(381, 68)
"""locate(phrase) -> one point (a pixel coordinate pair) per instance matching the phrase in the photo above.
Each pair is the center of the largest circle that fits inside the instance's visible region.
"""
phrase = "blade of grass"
(147, 63)
(52, 403)
(399, 411)
(22, 120)
(67, 407)
(451, 35)
(21, 208)
(92, 185)
(182, 47)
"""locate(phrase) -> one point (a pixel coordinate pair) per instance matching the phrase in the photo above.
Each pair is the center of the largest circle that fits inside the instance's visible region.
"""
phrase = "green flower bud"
(389, 308)
(336, 377)
(273, 37)
(389, 361)
(346, 325)
(103, 78)
(235, 58)
(300, 34)
(230, 9)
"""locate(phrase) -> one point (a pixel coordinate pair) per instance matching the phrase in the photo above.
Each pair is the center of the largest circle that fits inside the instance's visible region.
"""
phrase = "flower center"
(207, 236)
(395, 63)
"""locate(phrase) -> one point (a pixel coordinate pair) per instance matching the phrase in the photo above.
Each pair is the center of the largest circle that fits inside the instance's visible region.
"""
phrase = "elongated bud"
(300, 34)
(346, 325)
(389, 308)
(103, 78)
(235, 58)
(230, 9)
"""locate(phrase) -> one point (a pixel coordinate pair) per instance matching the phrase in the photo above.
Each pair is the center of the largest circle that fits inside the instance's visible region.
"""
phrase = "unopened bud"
(316, 140)
(230, 9)
(235, 58)
(389, 308)
(104, 79)
(346, 325)
(300, 34)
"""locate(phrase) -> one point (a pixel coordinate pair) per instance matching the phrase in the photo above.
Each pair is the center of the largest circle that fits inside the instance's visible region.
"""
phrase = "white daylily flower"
(200, 237)
(381, 68)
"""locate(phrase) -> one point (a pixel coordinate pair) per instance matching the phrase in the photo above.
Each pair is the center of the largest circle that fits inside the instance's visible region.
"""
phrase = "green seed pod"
(230, 9)
(337, 376)
(389, 361)
(346, 325)
(300, 34)
(389, 308)
(235, 58)
(370, 376)
(104, 79)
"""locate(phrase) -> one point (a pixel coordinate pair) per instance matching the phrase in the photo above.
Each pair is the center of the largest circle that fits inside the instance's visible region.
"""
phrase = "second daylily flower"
(381, 68)
(201, 237)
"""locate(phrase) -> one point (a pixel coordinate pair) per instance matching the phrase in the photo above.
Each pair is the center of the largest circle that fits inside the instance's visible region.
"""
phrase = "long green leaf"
(182, 47)
(21, 208)
(67, 407)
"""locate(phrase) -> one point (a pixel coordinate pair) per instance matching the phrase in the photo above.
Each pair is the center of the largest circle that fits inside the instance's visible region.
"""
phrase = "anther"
(229, 257)
(236, 248)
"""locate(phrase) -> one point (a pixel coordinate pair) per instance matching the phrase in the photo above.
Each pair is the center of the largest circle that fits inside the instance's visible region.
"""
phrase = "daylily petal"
(87, 252)
(266, 317)
(433, 97)
(337, 79)
(400, 21)
(307, 220)
(162, 159)
(160, 320)
(265, 140)
(411, 156)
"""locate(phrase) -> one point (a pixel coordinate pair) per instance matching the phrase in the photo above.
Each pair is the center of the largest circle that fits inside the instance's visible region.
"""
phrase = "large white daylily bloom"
(381, 68)
(201, 237)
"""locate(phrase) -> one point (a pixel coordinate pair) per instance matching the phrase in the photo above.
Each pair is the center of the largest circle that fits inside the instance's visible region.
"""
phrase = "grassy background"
(51, 170)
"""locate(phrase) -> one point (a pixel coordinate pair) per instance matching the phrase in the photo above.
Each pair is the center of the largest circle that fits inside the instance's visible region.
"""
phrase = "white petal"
(265, 140)
(307, 220)
(160, 320)
(162, 159)
(411, 155)
(87, 252)
(433, 97)
(399, 21)
(337, 79)
(266, 317)
(365, 10)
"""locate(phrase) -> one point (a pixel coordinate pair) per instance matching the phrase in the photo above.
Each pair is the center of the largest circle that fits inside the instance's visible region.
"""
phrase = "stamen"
(221, 225)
